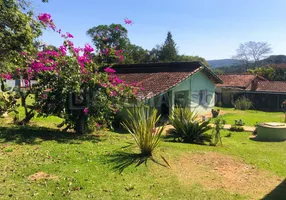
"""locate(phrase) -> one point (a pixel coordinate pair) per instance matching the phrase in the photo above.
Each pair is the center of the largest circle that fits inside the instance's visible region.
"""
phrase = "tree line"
(116, 36)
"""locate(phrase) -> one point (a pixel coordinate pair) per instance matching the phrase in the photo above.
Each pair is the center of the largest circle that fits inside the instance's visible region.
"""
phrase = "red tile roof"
(271, 86)
(156, 78)
(238, 80)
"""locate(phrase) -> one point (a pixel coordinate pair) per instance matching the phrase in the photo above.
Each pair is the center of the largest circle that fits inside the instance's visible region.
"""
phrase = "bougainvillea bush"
(70, 70)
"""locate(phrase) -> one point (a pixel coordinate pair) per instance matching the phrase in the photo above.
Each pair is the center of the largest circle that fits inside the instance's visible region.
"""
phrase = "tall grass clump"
(142, 126)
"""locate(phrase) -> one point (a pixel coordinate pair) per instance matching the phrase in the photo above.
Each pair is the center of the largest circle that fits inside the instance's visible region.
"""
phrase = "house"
(166, 85)
(232, 85)
(267, 95)
(264, 94)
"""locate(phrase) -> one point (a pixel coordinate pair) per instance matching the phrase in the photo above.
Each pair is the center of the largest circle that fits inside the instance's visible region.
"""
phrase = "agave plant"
(187, 127)
(141, 125)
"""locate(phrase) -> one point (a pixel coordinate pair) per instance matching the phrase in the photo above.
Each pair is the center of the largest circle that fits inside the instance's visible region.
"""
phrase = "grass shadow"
(36, 135)
(278, 192)
(258, 140)
(122, 160)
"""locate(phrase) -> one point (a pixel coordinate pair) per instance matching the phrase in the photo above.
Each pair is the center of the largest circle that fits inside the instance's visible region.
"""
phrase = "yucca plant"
(187, 127)
(142, 126)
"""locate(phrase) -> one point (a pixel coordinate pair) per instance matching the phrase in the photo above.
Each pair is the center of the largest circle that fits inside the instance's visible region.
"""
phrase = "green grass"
(87, 166)
(251, 117)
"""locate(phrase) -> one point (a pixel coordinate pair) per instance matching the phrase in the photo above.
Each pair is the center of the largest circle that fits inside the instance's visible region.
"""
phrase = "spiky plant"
(187, 127)
(142, 126)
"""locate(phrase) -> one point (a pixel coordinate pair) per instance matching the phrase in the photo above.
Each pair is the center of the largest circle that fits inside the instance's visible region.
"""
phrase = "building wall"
(200, 82)
(194, 85)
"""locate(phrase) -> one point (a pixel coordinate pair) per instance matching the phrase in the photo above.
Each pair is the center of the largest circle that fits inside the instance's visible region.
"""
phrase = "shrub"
(239, 122)
(219, 104)
(215, 113)
(243, 103)
(141, 125)
(8, 103)
(236, 128)
(219, 125)
(188, 128)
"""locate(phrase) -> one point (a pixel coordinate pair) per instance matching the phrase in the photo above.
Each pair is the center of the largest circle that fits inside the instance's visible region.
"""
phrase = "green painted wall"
(200, 81)
(193, 85)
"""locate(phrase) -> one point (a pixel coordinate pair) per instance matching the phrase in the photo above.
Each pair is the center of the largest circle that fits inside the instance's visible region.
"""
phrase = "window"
(181, 98)
(203, 97)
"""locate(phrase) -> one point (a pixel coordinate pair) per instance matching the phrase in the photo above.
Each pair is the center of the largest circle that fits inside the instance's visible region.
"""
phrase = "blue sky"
(212, 29)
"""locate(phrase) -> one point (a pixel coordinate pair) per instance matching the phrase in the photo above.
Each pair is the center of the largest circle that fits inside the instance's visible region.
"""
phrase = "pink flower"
(63, 50)
(26, 83)
(6, 76)
(85, 111)
(106, 51)
(44, 96)
(109, 70)
(128, 21)
(121, 58)
(113, 93)
(46, 19)
(117, 28)
(88, 48)
(69, 35)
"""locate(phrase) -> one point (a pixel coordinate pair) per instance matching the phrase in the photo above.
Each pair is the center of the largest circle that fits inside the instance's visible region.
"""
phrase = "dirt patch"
(218, 171)
(42, 175)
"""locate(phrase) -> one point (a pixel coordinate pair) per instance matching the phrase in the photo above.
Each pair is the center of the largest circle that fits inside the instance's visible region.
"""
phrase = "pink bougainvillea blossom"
(69, 35)
(6, 76)
(63, 50)
(128, 21)
(88, 48)
(106, 51)
(121, 58)
(26, 83)
(85, 111)
(113, 93)
(109, 70)
(117, 28)
(46, 19)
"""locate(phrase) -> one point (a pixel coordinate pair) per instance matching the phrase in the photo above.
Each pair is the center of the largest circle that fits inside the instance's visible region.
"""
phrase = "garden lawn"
(250, 117)
(40, 162)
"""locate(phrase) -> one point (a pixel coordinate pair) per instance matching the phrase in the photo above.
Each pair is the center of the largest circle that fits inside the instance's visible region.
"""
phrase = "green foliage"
(142, 126)
(187, 127)
(185, 58)
(236, 128)
(219, 125)
(135, 54)
(243, 103)
(8, 103)
(219, 104)
(18, 31)
(266, 72)
(169, 51)
(109, 36)
(239, 122)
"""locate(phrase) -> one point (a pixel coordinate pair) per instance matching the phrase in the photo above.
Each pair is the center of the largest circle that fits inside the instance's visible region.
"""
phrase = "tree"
(185, 58)
(252, 52)
(154, 54)
(169, 51)
(109, 36)
(18, 30)
(135, 54)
